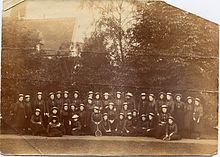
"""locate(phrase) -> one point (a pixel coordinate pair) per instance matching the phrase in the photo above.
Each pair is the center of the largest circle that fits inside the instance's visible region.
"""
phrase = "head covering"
(81, 104)
(90, 92)
(51, 93)
(54, 108)
(59, 92)
(66, 92)
(125, 103)
(164, 106)
(37, 110)
(39, 93)
(27, 96)
(189, 97)
(76, 91)
(197, 99)
(129, 94)
(143, 94)
(106, 93)
(121, 113)
(118, 92)
(129, 114)
(96, 107)
(135, 110)
(170, 117)
(169, 93)
(178, 94)
(152, 114)
(54, 117)
(105, 114)
(143, 115)
(75, 116)
(151, 95)
(161, 93)
(111, 103)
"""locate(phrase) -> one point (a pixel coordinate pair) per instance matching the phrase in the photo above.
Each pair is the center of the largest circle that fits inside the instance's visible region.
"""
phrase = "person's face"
(96, 111)
(134, 114)
(73, 107)
(178, 98)
(76, 95)
(150, 117)
(75, 119)
(39, 97)
(89, 101)
(27, 99)
(121, 116)
(125, 107)
(58, 95)
(54, 120)
(196, 102)
(105, 117)
(37, 113)
(143, 97)
(65, 95)
(81, 108)
(127, 97)
(151, 98)
(168, 97)
(143, 118)
(65, 108)
(189, 101)
(54, 111)
(97, 96)
(90, 95)
(105, 97)
(52, 96)
(129, 117)
(170, 121)
(118, 95)
(110, 107)
(164, 110)
(161, 96)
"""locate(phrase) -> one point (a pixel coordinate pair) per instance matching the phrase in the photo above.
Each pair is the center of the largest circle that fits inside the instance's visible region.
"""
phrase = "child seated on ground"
(54, 128)
(171, 130)
(36, 124)
(75, 125)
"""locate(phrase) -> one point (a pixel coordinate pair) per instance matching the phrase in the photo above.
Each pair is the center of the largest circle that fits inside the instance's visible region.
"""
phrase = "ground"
(106, 145)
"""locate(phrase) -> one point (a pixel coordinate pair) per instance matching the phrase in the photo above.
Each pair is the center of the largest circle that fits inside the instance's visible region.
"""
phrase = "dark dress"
(188, 120)
(59, 102)
(179, 116)
(54, 129)
(76, 102)
(120, 127)
(19, 115)
(36, 124)
(112, 115)
(105, 127)
(84, 121)
(118, 104)
(142, 128)
(158, 106)
(151, 106)
(28, 111)
(162, 121)
(131, 104)
(172, 131)
(50, 104)
(142, 107)
(96, 119)
(197, 114)
(75, 127)
(151, 128)
(64, 119)
(128, 127)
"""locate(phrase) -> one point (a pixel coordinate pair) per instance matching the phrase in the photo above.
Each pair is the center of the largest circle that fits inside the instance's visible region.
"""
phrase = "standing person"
(179, 113)
(112, 115)
(125, 109)
(76, 99)
(54, 128)
(75, 125)
(106, 101)
(170, 103)
(161, 101)
(163, 118)
(135, 121)
(105, 125)
(171, 132)
(118, 102)
(66, 98)
(188, 118)
(98, 101)
(28, 111)
(151, 125)
(51, 102)
(120, 125)
(64, 118)
(36, 123)
(59, 100)
(128, 125)
(142, 105)
(54, 112)
(83, 119)
(96, 119)
(151, 104)
(129, 99)
(197, 118)
(89, 109)
(90, 94)
(19, 113)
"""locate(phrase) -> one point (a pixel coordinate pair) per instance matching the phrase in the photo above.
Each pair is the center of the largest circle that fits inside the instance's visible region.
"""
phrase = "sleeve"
(175, 129)
(200, 111)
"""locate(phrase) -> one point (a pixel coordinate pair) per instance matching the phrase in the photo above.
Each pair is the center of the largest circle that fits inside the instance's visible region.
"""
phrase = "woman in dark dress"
(54, 128)
(188, 118)
(36, 123)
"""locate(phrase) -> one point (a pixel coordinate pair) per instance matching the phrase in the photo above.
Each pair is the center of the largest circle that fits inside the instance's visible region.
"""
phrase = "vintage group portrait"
(107, 78)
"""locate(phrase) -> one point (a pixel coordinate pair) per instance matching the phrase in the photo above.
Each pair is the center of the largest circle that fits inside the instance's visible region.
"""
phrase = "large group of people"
(164, 116)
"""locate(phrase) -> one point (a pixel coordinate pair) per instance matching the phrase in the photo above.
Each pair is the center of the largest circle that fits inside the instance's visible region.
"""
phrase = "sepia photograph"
(107, 78)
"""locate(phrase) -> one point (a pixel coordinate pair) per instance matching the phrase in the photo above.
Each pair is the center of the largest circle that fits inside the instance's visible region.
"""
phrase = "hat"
(178, 94)
(169, 93)
(54, 108)
(129, 94)
(96, 107)
(129, 113)
(59, 92)
(51, 93)
(27, 96)
(97, 93)
(89, 98)
(125, 103)
(170, 117)
(152, 114)
(189, 97)
(90, 92)
(39, 93)
(81, 104)
(143, 94)
(161, 93)
(121, 113)
(106, 93)
(105, 114)
(197, 99)
(65, 104)
(164, 106)
(143, 115)
(118, 92)
(55, 117)
(76, 91)
(37, 109)
(111, 103)
(66, 92)
(151, 95)
(134, 110)
(75, 116)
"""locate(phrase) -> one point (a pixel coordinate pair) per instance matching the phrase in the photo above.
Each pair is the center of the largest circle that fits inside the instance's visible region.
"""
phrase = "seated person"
(128, 125)
(105, 125)
(36, 124)
(142, 125)
(151, 125)
(171, 130)
(75, 125)
(54, 128)
(120, 125)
